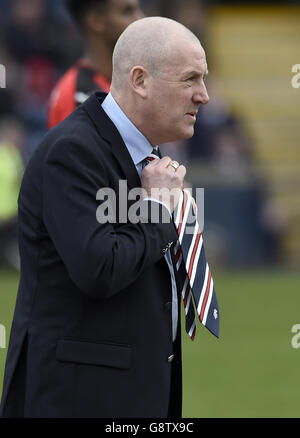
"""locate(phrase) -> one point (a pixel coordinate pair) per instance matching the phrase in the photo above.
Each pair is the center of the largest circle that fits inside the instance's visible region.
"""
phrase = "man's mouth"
(192, 114)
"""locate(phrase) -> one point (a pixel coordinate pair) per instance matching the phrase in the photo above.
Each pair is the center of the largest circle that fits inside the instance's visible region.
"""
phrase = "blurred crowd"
(39, 42)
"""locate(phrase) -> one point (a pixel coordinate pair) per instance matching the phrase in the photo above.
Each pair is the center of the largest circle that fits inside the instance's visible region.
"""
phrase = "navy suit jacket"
(92, 328)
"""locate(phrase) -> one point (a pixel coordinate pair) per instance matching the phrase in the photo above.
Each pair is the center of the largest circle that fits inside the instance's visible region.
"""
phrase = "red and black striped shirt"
(73, 88)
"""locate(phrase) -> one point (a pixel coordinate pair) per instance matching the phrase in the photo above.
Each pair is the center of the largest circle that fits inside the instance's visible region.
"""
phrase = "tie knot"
(153, 156)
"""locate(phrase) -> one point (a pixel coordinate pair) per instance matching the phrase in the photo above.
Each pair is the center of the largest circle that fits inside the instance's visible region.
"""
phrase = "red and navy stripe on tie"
(192, 270)
(190, 250)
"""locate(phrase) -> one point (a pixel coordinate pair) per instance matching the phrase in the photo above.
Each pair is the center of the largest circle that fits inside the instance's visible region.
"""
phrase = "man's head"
(105, 19)
(158, 78)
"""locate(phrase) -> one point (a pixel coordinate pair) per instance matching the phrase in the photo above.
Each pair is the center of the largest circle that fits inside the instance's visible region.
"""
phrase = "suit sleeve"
(101, 259)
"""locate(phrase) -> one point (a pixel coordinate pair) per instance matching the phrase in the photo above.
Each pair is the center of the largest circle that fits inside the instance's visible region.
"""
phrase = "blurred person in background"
(34, 53)
(191, 13)
(224, 152)
(101, 22)
(213, 120)
(12, 139)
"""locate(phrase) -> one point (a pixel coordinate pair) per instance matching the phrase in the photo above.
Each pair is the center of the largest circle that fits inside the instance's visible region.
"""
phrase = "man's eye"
(188, 82)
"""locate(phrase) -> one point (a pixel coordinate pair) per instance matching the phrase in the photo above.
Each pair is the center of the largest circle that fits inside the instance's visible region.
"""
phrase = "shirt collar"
(137, 144)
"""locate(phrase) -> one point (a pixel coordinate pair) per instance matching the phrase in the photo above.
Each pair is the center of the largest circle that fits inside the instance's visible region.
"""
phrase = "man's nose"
(201, 96)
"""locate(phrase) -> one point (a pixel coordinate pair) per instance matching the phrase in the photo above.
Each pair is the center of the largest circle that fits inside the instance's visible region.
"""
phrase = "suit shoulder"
(76, 131)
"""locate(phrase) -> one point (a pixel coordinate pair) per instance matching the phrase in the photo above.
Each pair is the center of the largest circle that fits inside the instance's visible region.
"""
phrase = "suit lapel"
(108, 130)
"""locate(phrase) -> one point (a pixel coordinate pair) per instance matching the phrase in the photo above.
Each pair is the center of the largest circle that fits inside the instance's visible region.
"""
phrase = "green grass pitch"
(252, 370)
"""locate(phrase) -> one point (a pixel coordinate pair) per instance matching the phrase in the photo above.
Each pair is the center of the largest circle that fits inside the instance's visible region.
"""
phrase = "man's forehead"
(190, 67)
(193, 66)
(192, 56)
(197, 68)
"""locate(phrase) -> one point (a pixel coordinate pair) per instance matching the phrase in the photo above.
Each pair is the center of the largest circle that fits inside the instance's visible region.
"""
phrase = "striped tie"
(193, 274)
(190, 255)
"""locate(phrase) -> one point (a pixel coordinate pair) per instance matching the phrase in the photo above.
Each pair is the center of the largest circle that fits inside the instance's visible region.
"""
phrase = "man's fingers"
(161, 162)
(173, 165)
(165, 161)
(181, 171)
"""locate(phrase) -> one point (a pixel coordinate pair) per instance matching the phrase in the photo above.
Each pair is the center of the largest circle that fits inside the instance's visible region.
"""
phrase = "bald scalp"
(150, 42)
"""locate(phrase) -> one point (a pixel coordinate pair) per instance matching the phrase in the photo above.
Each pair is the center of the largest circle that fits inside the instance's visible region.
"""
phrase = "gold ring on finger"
(174, 164)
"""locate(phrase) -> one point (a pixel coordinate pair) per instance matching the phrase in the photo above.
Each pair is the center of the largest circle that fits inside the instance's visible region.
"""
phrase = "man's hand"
(163, 182)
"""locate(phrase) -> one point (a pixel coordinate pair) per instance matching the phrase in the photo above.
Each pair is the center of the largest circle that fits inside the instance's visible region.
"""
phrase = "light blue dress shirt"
(139, 148)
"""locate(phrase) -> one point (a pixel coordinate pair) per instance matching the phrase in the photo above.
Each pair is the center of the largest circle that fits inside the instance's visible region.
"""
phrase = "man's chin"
(189, 133)
(183, 135)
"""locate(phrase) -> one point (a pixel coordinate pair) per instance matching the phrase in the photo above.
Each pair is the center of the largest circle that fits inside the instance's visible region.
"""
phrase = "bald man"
(96, 329)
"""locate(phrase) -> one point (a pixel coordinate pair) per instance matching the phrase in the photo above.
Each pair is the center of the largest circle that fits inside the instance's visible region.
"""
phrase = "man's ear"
(139, 79)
